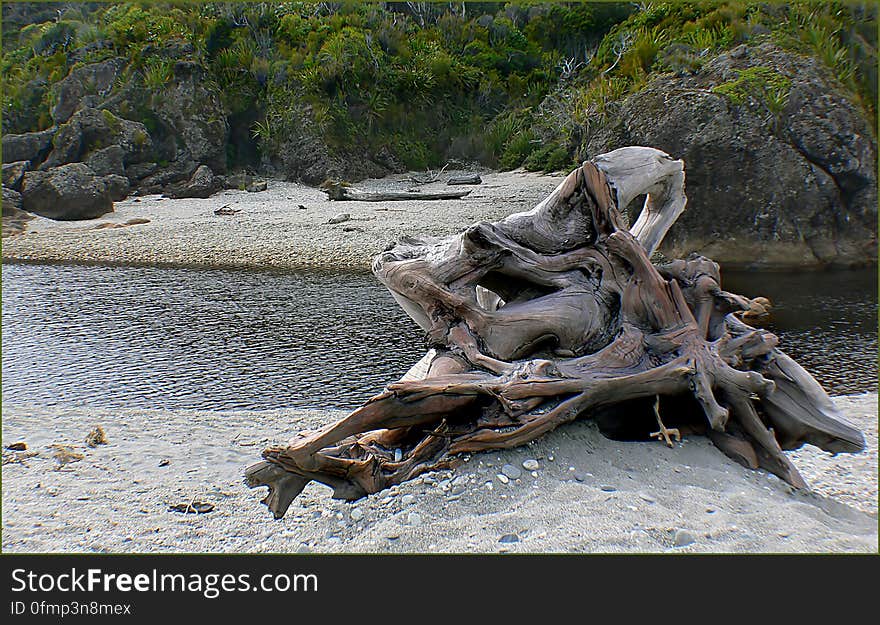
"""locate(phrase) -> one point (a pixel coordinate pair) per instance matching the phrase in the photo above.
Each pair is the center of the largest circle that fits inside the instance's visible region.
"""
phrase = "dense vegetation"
(424, 82)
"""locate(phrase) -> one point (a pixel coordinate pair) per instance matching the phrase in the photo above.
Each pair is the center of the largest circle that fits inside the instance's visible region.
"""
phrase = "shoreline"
(286, 227)
(590, 494)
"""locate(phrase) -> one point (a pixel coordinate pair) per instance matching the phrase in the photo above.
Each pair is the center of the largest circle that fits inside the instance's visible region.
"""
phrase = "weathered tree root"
(556, 314)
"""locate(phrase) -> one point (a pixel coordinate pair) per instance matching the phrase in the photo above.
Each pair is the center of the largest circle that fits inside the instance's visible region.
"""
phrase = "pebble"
(414, 518)
(357, 514)
(443, 484)
(339, 218)
(646, 497)
(683, 538)
(408, 500)
(531, 464)
(457, 490)
(511, 471)
(580, 476)
(502, 478)
(398, 454)
(608, 489)
(509, 538)
(304, 549)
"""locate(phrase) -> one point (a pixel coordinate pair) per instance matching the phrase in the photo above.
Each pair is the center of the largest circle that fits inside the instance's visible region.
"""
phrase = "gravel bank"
(588, 494)
(271, 230)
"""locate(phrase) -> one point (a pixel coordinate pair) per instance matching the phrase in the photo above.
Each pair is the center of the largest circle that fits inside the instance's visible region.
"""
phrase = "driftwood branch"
(341, 192)
(557, 314)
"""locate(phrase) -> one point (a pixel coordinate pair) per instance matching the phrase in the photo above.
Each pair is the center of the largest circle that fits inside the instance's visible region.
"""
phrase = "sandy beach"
(285, 226)
(589, 494)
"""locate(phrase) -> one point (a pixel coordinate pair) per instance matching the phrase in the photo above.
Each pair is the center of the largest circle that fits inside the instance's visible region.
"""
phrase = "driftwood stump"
(555, 314)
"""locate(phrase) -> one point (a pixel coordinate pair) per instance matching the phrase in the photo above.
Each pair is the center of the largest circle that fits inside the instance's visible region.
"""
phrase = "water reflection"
(219, 339)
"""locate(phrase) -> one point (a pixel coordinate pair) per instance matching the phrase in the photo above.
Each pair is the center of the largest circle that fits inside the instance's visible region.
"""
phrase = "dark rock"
(14, 172)
(30, 146)
(11, 201)
(257, 186)
(117, 186)
(88, 85)
(91, 130)
(138, 171)
(176, 171)
(239, 181)
(202, 184)
(106, 161)
(797, 189)
(68, 192)
(509, 538)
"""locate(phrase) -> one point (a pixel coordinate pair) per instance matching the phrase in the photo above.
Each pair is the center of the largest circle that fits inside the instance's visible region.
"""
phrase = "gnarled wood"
(555, 314)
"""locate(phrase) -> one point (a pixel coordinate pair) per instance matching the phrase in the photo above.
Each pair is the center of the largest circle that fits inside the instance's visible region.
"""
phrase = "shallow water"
(222, 339)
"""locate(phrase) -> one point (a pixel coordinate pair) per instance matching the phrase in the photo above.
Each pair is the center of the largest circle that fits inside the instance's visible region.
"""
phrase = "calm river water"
(221, 339)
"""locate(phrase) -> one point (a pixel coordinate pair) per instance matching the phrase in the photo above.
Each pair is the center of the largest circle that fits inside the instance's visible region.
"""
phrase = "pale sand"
(116, 499)
(270, 230)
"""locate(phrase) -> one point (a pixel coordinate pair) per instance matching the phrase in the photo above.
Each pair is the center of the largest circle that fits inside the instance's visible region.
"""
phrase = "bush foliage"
(425, 82)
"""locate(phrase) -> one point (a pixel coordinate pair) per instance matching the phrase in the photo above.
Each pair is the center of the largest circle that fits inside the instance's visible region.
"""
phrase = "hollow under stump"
(556, 314)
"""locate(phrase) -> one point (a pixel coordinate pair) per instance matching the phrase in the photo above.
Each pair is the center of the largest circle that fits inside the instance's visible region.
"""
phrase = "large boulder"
(69, 192)
(768, 182)
(106, 161)
(90, 130)
(85, 86)
(30, 146)
(201, 184)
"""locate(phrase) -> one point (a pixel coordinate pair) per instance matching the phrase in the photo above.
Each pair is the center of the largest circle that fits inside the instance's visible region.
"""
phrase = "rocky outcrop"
(190, 111)
(30, 146)
(303, 155)
(85, 86)
(69, 192)
(786, 182)
(92, 130)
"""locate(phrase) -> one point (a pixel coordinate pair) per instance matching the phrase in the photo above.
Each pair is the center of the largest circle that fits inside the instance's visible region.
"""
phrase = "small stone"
(531, 465)
(414, 518)
(509, 538)
(393, 536)
(398, 454)
(580, 476)
(683, 538)
(608, 489)
(443, 484)
(511, 471)
(710, 510)
(164, 462)
(20, 446)
(408, 500)
(646, 497)
(339, 218)
(357, 514)
(257, 186)
(304, 549)
(457, 490)
(502, 478)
